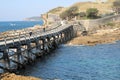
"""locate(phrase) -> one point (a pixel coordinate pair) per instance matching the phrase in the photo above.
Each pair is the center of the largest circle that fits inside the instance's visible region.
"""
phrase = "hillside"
(57, 10)
(103, 8)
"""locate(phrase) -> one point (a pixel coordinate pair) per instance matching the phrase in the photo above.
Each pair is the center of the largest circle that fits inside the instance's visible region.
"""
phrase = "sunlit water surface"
(100, 62)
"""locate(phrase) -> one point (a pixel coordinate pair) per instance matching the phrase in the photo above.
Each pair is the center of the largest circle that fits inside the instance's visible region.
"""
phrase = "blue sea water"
(15, 25)
(100, 62)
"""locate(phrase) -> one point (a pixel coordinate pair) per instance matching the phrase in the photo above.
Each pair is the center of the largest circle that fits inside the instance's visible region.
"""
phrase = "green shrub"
(92, 13)
(82, 14)
(69, 13)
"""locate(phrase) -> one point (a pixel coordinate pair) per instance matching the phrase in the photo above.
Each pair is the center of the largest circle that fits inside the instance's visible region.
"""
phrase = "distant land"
(35, 18)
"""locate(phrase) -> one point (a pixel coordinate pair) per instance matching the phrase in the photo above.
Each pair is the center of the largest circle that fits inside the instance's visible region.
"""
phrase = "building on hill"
(50, 18)
(53, 18)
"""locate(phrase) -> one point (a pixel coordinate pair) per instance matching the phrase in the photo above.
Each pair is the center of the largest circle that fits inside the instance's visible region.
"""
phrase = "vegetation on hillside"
(89, 10)
(72, 12)
(83, 6)
(69, 13)
(82, 14)
(79, 9)
(92, 13)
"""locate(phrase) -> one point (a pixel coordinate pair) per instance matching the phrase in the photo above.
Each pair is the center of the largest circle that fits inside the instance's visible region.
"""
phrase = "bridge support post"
(68, 34)
(29, 53)
(72, 32)
(6, 60)
(37, 44)
(46, 45)
(19, 58)
(57, 40)
(65, 36)
(42, 44)
(60, 38)
(54, 42)
(18, 54)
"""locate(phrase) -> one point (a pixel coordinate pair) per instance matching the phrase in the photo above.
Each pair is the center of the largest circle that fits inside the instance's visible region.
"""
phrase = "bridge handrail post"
(19, 36)
(5, 40)
(35, 36)
(39, 32)
(25, 34)
(14, 36)
(29, 34)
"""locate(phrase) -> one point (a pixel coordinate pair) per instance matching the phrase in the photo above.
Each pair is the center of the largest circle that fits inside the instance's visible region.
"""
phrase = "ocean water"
(100, 62)
(15, 25)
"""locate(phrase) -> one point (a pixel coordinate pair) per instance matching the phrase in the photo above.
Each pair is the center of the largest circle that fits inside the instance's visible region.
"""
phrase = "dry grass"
(83, 6)
(103, 7)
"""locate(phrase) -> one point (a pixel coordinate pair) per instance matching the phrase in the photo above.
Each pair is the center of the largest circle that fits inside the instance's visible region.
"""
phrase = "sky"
(17, 10)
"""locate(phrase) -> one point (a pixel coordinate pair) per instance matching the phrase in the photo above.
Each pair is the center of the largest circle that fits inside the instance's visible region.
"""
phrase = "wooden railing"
(18, 34)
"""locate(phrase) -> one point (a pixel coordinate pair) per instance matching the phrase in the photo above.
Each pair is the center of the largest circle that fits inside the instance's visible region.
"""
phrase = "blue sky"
(12, 10)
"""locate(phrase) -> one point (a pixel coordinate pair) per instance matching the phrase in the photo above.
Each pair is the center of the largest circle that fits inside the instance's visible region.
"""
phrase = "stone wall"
(88, 24)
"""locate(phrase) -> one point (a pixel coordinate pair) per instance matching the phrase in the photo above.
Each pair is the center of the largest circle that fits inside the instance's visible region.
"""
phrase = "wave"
(11, 24)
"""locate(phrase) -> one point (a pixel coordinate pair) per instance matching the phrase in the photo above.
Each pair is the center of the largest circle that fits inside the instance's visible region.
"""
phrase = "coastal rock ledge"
(12, 76)
(100, 37)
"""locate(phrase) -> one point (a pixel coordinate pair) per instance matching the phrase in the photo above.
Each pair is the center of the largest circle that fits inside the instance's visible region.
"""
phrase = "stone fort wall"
(98, 22)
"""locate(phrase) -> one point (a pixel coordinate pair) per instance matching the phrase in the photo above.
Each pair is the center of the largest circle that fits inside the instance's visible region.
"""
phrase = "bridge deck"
(36, 35)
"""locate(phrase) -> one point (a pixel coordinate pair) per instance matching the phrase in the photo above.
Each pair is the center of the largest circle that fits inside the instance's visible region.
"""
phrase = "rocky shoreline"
(101, 36)
(12, 76)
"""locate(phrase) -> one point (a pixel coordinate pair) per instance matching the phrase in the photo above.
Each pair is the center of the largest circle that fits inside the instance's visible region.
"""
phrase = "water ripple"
(100, 62)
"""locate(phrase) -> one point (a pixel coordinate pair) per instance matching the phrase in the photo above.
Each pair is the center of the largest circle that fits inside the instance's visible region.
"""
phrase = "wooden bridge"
(22, 49)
